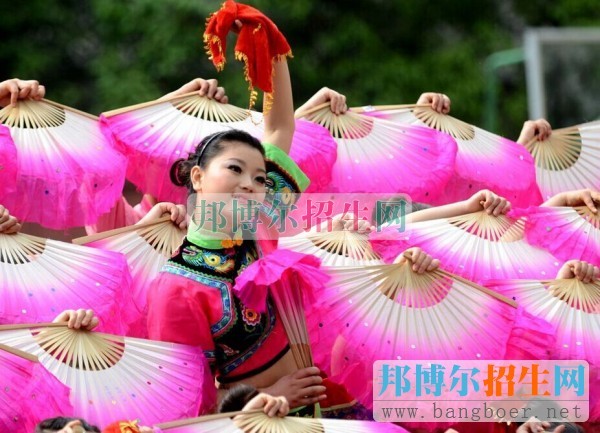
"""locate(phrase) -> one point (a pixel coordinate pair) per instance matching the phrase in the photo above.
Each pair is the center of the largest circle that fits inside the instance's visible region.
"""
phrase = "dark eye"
(235, 168)
(261, 179)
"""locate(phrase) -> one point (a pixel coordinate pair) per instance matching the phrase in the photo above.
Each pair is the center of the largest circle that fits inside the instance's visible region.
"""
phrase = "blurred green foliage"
(98, 55)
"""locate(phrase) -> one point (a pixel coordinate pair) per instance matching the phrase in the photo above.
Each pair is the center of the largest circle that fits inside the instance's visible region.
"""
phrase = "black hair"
(58, 423)
(206, 150)
(237, 397)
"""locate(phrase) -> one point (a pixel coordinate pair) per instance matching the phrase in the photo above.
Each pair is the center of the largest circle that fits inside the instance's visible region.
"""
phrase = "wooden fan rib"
(109, 233)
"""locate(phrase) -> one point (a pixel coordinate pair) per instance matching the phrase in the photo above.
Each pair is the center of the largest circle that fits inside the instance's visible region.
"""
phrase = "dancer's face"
(238, 170)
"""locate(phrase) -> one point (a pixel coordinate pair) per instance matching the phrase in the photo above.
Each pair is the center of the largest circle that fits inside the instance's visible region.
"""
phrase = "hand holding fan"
(568, 160)
(477, 246)
(258, 422)
(379, 156)
(42, 277)
(114, 377)
(484, 160)
(146, 247)
(68, 172)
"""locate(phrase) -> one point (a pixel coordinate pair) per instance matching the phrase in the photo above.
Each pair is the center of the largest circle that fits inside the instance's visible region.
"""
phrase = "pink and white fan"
(378, 156)
(67, 172)
(113, 377)
(571, 306)
(258, 422)
(155, 134)
(146, 247)
(567, 232)
(334, 247)
(484, 160)
(391, 312)
(28, 392)
(8, 163)
(568, 160)
(39, 278)
(476, 246)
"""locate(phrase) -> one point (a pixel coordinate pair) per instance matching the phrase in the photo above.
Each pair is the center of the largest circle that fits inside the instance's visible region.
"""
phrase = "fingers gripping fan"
(567, 232)
(68, 174)
(155, 134)
(258, 422)
(377, 156)
(114, 377)
(568, 160)
(483, 161)
(478, 246)
(146, 247)
(570, 305)
(39, 278)
(28, 392)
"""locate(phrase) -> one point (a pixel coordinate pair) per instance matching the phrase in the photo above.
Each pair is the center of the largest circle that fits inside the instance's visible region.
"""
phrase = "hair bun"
(177, 173)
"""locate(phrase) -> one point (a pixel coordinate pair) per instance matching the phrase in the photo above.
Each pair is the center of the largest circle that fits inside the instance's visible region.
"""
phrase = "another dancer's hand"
(8, 223)
(421, 261)
(272, 406)
(177, 211)
(337, 101)
(581, 197)
(539, 129)
(579, 269)
(301, 388)
(15, 89)
(78, 319)
(488, 201)
(438, 101)
(209, 88)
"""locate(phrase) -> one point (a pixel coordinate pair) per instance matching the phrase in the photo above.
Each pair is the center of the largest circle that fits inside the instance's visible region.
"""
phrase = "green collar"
(212, 240)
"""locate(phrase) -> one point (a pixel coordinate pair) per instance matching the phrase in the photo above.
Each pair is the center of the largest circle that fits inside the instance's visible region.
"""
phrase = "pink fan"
(114, 378)
(258, 422)
(42, 277)
(68, 174)
(571, 306)
(155, 134)
(483, 161)
(568, 233)
(315, 152)
(390, 312)
(476, 246)
(568, 159)
(378, 156)
(146, 248)
(28, 392)
(8, 164)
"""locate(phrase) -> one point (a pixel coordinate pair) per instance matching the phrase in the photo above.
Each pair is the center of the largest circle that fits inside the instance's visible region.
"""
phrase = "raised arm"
(279, 117)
